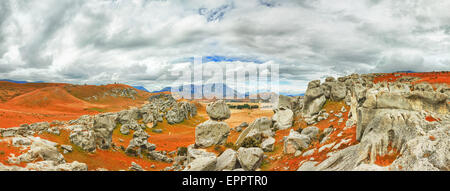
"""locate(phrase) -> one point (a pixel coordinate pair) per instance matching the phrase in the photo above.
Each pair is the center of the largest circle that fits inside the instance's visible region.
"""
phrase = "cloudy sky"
(141, 42)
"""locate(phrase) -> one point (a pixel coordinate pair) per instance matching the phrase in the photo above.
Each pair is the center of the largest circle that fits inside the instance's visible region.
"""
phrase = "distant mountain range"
(140, 88)
(13, 81)
(210, 91)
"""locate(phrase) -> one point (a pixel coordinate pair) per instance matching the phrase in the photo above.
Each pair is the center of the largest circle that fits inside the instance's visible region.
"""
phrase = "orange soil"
(430, 77)
(432, 138)
(431, 119)
(244, 115)
(9, 90)
(387, 159)
(291, 162)
(172, 137)
(6, 149)
(38, 102)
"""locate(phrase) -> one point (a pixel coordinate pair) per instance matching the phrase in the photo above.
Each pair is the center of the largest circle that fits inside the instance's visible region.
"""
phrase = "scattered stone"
(312, 132)
(211, 133)
(295, 141)
(67, 148)
(135, 167)
(227, 160)
(218, 110)
(202, 164)
(250, 158)
(283, 118)
(268, 144)
(157, 130)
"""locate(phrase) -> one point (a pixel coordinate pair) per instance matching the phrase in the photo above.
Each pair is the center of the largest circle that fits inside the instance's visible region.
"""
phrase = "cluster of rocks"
(28, 130)
(43, 151)
(91, 132)
(387, 115)
(244, 159)
(116, 92)
(213, 131)
(258, 134)
(95, 132)
(283, 115)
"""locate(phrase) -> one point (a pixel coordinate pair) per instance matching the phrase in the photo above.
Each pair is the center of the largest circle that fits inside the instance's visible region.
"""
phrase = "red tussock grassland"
(38, 102)
(388, 158)
(431, 119)
(6, 149)
(430, 77)
(290, 162)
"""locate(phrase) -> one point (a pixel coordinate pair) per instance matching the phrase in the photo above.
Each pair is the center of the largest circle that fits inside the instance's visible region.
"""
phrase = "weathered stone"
(211, 133)
(218, 110)
(202, 164)
(250, 158)
(312, 132)
(268, 144)
(283, 118)
(227, 160)
(257, 131)
(295, 141)
(135, 167)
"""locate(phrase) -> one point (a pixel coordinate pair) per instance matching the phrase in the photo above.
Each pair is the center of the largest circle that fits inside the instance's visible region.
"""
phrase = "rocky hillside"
(91, 134)
(356, 122)
(36, 102)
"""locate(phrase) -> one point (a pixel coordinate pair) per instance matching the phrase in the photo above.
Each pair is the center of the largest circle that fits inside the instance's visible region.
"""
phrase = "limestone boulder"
(218, 110)
(211, 133)
(250, 158)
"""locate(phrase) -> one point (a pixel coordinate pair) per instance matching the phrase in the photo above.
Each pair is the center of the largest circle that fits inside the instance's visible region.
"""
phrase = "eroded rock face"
(43, 150)
(250, 158)
(181, 111)
(218, 110)
(283, 118)
(53, 166)
(227, 160)
(391, 119)
(312, 132)
(104, 125)
(193, 153)
(295, 141)
(202, 164)
(85, 139)
(258, 130)
(268, 144)
(139, 144)
(283, 102)
(211, 133)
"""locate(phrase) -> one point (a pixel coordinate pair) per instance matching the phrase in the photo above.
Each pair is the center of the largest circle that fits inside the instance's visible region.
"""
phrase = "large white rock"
(211, 133)
(227, 160)
(193, 153)
(218, 110)
(283, 118)
(295, 141)
(202, 164)
(250, 158)
(268, 144)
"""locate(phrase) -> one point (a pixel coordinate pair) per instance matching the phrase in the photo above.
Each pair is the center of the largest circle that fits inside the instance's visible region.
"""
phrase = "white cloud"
(141, 42)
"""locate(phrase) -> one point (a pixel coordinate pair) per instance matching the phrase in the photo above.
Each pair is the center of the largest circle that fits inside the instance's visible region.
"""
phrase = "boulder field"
(352, 123)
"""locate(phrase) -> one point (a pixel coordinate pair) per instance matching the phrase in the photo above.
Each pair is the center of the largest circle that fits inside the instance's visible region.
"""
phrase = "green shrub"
(250, 142)
(182, 151)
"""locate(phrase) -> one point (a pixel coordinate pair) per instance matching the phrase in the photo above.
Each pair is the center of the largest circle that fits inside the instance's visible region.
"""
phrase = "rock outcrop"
(213, 131)
(218, 110)
(391, 119)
